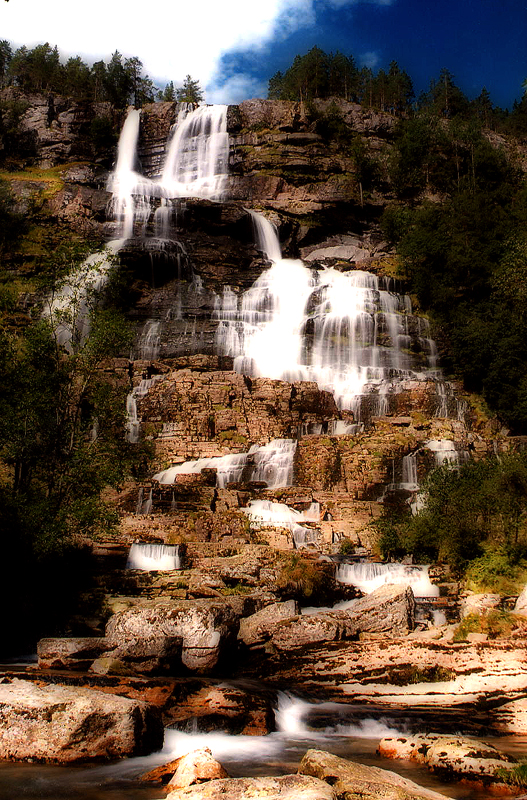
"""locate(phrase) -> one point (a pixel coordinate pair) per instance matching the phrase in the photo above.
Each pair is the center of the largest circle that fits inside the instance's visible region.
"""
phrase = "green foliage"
(513, 776)
(40, 70)
(346, 547)
(473, 515)
(300, 578)
(12, 224)
(498, 570)
(190, 92)
(496, 624)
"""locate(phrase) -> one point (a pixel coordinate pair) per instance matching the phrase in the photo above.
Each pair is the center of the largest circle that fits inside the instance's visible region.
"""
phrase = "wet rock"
(452, 757)
(223, 707)
(285, 787)
(70, 724)
(197, 767)
(360, 782)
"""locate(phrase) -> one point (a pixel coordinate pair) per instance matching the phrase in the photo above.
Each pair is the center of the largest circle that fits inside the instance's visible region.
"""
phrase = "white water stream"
(150, 557)
(347, 331)
(367, 576)
(271, 464)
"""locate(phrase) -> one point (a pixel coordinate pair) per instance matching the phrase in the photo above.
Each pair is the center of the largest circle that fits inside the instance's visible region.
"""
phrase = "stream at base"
(277, 753)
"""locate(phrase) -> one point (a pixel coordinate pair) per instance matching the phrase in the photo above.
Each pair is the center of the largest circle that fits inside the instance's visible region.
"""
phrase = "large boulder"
(169, 636)
(453, 757)
(359, 782)
(480, 603)
(389, 610)
(66, 724)
(284, 787)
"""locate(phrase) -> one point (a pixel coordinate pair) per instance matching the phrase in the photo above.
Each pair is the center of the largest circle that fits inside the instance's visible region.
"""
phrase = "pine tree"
(190, 92)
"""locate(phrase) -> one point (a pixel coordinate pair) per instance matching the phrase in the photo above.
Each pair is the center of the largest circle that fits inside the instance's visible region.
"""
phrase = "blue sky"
(232, 47)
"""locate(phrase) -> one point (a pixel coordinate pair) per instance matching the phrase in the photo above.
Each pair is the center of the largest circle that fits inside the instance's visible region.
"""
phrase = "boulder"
(520, 606)
(511, 717)
(257, 628)
(479, 604)
(360, 782)
(453, 757)
(68, 724)
(389, 610)
(196, 767)
(284, 787)
(169, 636)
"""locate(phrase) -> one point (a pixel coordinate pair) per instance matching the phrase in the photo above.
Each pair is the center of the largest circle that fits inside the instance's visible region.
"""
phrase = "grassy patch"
(496, 624)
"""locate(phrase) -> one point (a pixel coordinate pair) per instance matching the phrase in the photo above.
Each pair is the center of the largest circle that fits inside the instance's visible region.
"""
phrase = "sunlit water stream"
(242, 756)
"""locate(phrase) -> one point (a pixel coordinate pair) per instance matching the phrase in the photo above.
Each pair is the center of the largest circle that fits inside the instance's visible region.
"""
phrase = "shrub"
(301, 578)
(496, 624)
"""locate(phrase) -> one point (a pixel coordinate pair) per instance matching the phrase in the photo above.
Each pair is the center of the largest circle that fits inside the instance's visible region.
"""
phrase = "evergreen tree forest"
(120, 81)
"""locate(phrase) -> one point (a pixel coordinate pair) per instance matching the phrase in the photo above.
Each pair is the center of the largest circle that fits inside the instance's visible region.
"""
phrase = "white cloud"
(171, 37)
(235, 89)
(369, 59)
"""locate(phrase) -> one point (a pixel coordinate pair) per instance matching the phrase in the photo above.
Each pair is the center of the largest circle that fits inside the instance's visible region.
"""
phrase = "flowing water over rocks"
(285, 403)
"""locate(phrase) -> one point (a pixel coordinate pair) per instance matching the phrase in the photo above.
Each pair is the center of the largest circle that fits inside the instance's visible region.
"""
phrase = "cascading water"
(68, 309)
(263, 513)
(195, 166)
(345, 330)
(149, 557)
(367, 576)
(271, 464)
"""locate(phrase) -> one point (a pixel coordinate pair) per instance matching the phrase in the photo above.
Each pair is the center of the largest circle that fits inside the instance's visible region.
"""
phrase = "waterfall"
(446, 452)
(367, 576)
(263, 513)
(150, 340)
(132, 424)
(271, 464)
(347, 331)
(196, 165)
(147, 505)
(198, 154)
(68, 309)
(153, 557)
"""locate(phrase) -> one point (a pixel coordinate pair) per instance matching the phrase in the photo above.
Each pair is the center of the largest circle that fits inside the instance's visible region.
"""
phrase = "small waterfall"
(446, 452)
(132, 424)
(150, 340)
(271, 464)
(139, 504)
(266, 237)
(150, 557)
(69, 308)
(264, 513)
(367, 576)
(147, 505)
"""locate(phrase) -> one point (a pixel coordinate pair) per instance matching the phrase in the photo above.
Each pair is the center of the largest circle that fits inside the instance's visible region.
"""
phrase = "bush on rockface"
(496, 624)
(302, 579)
